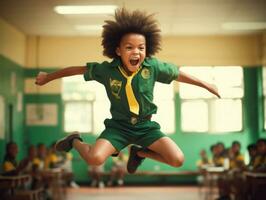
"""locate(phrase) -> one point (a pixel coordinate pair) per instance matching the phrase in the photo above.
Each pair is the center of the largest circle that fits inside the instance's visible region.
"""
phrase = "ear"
(118, 52)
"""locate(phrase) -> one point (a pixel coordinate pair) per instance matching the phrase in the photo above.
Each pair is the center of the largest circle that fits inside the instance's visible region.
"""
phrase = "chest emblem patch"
(115, 86)
(145, 73)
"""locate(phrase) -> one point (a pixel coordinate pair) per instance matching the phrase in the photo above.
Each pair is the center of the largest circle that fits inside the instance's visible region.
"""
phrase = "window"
(86, 106)
(164, 98)
(201, 111)
(264, 94)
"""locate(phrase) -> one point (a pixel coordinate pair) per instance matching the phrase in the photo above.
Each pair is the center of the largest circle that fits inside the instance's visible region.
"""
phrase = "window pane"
(101, 111)
(164, 99)
(77, 117)
(165, 116)
(226, 115)
(229, 76)
(229, 81)
(194, 116)
(188, 91)
(74, 88)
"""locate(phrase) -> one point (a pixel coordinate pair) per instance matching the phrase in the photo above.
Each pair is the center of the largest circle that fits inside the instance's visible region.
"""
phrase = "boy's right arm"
(43, 77)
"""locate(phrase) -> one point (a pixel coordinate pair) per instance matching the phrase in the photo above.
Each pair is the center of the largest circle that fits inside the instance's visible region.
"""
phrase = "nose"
(136, 51)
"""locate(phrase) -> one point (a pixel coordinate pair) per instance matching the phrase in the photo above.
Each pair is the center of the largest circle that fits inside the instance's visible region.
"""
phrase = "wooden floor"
(135, 193)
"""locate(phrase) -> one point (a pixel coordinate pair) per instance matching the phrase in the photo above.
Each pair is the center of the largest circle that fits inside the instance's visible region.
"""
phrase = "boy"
(130, 40)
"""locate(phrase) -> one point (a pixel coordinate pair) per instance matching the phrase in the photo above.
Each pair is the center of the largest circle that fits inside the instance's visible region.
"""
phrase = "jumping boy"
(130, 40)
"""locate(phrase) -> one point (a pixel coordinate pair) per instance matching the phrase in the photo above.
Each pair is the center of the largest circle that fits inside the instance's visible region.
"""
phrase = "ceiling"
(176, 17)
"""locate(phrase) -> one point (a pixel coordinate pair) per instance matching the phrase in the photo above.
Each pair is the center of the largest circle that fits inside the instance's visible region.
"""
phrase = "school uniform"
(131, 99)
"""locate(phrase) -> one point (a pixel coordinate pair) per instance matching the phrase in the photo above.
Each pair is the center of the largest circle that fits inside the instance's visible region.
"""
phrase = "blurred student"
(96, 174)
(260, 159)
(10, 164)
(31, 162)
(204, 161)
(218, 154)
(252, 152)
(53, 159)
(31, 167)
(237, 160)
(118, 170)
(67, 169)
(222, 150)
(233, 177)
(42, 156)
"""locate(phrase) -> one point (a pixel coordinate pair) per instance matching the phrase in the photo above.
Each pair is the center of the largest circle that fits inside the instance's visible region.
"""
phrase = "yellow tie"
(132, 101)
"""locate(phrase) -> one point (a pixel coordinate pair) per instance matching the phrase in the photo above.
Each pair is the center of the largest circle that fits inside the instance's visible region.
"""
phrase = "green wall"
(8, 67)
(262, 132)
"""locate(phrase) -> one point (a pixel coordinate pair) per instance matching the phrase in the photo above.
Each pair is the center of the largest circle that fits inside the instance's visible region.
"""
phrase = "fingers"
(40, 79)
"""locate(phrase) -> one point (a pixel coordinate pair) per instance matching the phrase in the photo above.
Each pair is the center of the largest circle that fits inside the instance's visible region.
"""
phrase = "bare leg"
(94, 154)
(166, 151)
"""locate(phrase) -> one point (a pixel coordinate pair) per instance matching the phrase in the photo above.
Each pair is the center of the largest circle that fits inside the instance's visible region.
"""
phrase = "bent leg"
(164, 150)
(94, 154)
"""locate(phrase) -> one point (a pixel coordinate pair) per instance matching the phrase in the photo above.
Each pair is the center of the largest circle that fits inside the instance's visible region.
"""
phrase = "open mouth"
(134, 61)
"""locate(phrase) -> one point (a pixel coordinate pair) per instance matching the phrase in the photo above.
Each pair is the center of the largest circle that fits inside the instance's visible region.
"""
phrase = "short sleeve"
(94, 71)
(166, 72)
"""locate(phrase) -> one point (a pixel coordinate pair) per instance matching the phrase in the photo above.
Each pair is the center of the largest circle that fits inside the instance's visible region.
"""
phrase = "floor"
(135, 193)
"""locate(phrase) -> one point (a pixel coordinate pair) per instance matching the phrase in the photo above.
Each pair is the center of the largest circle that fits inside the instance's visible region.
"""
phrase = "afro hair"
(130, 22)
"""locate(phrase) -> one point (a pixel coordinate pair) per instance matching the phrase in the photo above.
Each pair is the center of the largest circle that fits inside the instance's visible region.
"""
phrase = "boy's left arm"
(185, 78)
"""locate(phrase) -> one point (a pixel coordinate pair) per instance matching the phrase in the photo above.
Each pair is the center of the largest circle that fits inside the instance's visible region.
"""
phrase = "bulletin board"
(2, 117)
(41, 114)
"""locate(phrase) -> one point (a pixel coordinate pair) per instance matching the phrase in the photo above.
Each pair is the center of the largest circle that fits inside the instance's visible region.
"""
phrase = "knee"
(95, 159)
(177, 161)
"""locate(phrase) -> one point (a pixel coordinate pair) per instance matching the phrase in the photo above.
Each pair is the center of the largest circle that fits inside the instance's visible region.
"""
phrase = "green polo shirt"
(108, 74)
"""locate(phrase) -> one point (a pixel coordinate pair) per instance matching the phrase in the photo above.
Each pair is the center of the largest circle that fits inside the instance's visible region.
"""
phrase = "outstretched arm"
(185, 78)
(43, 77)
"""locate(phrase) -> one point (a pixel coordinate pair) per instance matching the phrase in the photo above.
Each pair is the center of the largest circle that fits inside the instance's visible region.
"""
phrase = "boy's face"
(13, 150)
(132, 50)
(261, 147)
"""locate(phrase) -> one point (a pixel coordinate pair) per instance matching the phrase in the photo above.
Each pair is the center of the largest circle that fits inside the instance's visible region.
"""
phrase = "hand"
(213, 89)
(42, 78)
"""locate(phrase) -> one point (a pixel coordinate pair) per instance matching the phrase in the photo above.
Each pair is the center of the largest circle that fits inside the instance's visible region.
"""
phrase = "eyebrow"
(128, 43)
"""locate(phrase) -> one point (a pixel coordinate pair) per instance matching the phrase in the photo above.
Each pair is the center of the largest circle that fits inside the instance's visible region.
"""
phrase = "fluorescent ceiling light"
(244, 26)
(88, 27)
(103, 9)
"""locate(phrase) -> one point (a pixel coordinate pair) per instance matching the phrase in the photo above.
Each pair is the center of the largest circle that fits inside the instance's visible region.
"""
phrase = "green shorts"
(121, 133)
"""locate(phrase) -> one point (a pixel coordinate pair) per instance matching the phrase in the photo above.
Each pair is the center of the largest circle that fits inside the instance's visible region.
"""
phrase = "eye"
(142, 48)
(128, 47)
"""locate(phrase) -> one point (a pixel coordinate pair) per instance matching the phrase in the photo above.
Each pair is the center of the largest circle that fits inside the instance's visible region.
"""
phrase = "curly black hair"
(130, 22)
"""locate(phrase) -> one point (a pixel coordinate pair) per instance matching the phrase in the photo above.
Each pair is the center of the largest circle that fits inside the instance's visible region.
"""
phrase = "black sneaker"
(134, 161)
(65, 144)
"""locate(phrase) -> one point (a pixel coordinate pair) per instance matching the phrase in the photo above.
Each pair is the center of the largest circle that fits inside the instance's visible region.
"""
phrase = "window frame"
(210, 99)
